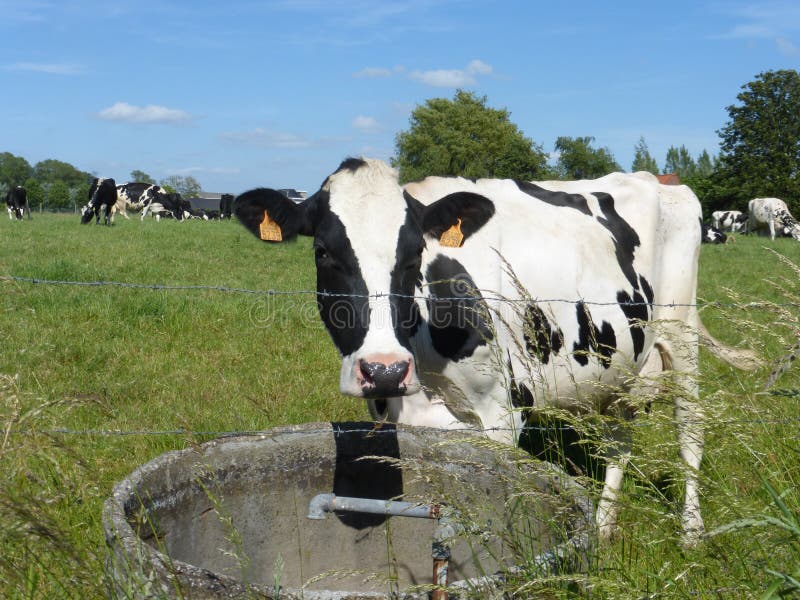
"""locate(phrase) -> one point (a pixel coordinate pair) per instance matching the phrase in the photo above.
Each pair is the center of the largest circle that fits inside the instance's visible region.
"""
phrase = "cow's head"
(369, 236)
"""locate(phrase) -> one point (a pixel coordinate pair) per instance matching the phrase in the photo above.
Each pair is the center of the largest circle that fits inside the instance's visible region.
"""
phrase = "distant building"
(293, 194)
(669, 179)
(206, 200)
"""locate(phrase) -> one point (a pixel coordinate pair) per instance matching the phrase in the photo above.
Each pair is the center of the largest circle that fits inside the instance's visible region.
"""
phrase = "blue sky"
(240, 94)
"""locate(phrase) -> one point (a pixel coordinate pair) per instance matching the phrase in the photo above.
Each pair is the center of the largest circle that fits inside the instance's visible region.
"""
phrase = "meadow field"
(98, 379)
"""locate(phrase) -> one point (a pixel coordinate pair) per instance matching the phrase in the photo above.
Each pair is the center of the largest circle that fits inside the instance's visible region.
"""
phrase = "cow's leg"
(771, 223)
(690, 439)
(10, 214)
(682, 359)
(617, 455)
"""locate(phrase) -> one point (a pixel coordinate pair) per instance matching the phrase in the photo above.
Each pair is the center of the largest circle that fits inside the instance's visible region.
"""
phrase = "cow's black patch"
(457, 312)
(625, 237)
(342, 292)
(406, 279)
(521, 396)
(574, 201)
(600, 341)
(645, 286)
(636, 310)
(541, 337)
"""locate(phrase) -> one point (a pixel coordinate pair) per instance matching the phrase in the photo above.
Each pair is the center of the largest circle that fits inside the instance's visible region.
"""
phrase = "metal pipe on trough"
(443, 535)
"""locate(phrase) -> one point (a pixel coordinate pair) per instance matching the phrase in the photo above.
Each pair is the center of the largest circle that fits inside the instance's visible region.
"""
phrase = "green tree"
(80, 195)
(760, 144)
(58, 195)
(51, 170)
(706, 164)
(679, 161)
(188, 187)
(142, 177)
(578, 160)
(35, 193)
(465, 137)
(14, 170)
(642, 161)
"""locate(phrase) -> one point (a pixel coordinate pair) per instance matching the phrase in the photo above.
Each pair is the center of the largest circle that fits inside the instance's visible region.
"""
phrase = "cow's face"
(368, 242)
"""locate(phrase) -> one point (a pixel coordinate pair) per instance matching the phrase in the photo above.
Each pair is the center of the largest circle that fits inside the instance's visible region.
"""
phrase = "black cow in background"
(226, 206)
(17, 203)
(102, 196)
(712, 235)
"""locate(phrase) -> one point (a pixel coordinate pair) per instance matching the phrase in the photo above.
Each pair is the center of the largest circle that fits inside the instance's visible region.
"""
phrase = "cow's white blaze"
(370, 205)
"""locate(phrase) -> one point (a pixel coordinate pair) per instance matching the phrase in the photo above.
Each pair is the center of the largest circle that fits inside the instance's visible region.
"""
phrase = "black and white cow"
(17, 203)
(162, 204)
(226, 206)
(102, 196)
(712, 235)
(771, 214)
(729, 220)
(129, 198)
(417, 287)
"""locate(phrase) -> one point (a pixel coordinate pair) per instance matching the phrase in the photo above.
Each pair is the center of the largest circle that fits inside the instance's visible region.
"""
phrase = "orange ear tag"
(269, 230)
(452, 238)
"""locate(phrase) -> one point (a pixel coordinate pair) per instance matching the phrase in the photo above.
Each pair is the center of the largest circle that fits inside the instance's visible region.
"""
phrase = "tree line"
(759, 152)
(759, 147)
(55, 185)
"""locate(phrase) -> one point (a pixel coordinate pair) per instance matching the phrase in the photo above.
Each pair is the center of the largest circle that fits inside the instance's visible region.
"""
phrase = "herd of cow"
(106, 198)
(457, 302)
(764, 215)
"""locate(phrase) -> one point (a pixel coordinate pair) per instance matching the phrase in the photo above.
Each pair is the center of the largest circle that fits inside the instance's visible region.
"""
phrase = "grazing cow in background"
(162, 204)
(102, 196)
(129, 198)
(729, 220)
(17, 203)
(712, 235)
(226, 206)
(771, 214)
(429, 291)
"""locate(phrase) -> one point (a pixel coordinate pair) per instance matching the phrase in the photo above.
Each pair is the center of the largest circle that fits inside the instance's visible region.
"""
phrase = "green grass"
(110, 358)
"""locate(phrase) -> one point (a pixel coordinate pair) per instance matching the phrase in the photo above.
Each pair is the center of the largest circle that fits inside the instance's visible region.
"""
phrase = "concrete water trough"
(230, 518)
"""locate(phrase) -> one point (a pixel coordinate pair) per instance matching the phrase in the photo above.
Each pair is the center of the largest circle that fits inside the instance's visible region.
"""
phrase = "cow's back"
(583, 254)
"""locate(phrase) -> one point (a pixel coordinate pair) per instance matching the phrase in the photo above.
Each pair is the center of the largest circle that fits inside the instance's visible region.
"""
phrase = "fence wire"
(486, 295)
(284, 293)
(373, 430)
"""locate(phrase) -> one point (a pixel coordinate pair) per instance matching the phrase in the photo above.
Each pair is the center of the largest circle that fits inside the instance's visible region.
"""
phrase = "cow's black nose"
(384, 380)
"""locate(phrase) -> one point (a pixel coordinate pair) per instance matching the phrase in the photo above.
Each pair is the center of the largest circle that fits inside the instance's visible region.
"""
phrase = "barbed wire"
(479, 294)
(376, 429)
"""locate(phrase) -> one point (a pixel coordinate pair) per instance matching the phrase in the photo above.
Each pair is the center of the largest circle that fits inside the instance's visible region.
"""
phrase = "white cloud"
(768, 21)
(264, 137)
(371, 72)
(50, 68)
(478, 67)
(199, 170)
(453, 77)
(366, 124)
(122, 111)
(787, 47)
(443, 78)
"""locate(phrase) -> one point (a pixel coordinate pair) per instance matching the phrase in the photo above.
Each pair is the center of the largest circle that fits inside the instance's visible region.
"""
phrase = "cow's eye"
(320, 253)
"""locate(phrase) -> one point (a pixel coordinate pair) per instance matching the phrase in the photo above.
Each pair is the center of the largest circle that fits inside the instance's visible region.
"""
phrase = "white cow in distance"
(769, 213)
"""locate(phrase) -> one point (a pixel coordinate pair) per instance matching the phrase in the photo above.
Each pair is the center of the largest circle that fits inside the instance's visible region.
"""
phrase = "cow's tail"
(747, 360)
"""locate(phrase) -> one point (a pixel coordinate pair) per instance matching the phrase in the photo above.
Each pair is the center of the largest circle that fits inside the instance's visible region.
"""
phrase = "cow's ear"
(454, 218)
(270, 215)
